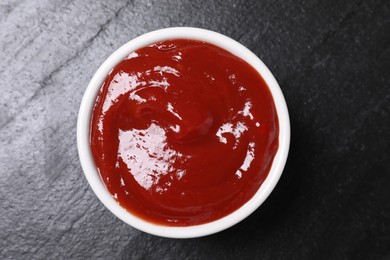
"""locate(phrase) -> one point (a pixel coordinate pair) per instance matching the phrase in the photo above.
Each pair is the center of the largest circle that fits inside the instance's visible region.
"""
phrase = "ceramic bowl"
(83, 133)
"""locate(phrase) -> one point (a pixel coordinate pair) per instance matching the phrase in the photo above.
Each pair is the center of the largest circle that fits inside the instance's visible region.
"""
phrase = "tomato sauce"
(183, 132)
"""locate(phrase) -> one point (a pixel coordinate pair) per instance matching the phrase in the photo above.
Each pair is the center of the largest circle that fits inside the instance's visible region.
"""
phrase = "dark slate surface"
(332, 60)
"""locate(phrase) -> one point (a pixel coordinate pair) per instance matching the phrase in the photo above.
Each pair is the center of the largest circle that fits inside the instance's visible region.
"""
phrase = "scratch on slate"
(46, 80)
(346, 18)
(333, 32)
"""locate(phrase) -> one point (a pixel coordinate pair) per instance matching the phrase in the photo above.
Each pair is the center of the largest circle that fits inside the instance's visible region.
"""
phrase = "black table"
(332, 61)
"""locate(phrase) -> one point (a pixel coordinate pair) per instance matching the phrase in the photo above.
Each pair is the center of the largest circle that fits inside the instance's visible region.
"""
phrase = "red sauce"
(183, 132)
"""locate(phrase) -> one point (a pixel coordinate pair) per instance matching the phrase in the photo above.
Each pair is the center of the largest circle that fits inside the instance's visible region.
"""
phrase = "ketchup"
(183, 132)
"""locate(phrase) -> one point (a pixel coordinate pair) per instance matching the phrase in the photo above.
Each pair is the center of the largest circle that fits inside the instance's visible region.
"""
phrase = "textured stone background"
(332, 61)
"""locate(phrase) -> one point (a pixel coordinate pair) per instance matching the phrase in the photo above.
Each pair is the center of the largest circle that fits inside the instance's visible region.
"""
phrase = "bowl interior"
(83, 131)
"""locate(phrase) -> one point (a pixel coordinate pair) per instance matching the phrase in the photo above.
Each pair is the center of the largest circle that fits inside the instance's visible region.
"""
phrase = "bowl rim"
(83, 132)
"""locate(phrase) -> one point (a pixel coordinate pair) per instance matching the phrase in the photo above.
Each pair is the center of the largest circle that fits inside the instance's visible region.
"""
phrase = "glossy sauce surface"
(183, 132)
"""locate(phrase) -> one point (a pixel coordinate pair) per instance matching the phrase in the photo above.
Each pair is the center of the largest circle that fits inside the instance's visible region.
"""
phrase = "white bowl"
(83, 133)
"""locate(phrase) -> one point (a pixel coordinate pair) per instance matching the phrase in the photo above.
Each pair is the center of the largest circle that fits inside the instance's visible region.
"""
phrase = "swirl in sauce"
(183, 132)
